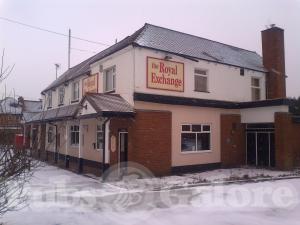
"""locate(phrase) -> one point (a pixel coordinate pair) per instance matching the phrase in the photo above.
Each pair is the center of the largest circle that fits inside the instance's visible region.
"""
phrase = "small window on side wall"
(75, 91)
(110, 79)
(201, 80)
(255, 89)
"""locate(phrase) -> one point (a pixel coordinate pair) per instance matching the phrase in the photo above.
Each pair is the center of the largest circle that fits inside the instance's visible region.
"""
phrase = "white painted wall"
(261, 114)
(224, 82)
(123, 61)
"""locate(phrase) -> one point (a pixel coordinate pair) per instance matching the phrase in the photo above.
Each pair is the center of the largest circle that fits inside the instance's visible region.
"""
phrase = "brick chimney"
(274, 62)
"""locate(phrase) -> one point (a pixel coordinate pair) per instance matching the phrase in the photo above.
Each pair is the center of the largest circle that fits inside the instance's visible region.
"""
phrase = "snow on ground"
(60, 197)
(214, 176)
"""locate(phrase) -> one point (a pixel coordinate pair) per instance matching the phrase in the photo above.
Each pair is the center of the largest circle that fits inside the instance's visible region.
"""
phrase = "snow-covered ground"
(60, 197)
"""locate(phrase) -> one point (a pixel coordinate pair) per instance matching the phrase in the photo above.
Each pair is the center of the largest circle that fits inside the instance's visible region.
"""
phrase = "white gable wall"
(224, 82)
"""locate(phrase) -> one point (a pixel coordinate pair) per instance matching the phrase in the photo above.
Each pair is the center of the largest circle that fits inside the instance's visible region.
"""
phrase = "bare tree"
(5, 71)
(15, 163)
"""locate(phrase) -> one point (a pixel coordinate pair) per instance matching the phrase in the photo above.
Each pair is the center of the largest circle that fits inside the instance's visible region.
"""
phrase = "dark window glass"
(186, 128)
(188, 142)
(196, 128)
(206, 128)
(203, 141)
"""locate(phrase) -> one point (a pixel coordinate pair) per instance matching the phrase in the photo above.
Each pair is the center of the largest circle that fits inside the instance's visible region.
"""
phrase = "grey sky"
(235, 22)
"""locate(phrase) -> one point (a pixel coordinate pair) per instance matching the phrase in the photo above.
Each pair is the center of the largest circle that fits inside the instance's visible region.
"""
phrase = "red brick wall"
(274, 62)
(149, 140)
(233, 143)
(287, 141)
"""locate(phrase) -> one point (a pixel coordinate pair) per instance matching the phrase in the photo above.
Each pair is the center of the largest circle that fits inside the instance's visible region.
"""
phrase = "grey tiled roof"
(60, 113)
(163, 39)
(200, 48)
(32, 106)
(108, 103)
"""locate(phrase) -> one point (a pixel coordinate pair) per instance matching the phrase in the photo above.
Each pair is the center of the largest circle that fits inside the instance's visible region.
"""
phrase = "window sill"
(74, 101)
(74, 146)
(202, 91)
(110, 92)
(196, 152)
(49, 107)
(60, 105)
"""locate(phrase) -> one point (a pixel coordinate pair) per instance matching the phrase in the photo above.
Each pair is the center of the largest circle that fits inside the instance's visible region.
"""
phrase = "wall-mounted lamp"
(167, 57)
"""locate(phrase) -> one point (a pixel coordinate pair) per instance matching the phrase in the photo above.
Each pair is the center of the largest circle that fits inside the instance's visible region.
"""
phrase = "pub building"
(173, 102)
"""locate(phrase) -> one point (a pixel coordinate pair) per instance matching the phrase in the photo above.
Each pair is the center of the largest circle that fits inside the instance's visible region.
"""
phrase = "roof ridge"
(193, 35)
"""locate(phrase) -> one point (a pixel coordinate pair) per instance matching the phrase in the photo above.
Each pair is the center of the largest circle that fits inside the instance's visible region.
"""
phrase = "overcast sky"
(235, 22)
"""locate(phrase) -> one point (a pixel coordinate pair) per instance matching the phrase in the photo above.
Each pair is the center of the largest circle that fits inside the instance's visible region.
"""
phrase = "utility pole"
(56, 68)
(69, 49)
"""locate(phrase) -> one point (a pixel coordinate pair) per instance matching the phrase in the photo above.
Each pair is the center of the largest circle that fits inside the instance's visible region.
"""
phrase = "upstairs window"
(49, 99)
(99, 137)
(74, 135)
(201, 80)
(110, 79)
(75, 91)
(61, 95)
(255, 89)
(195, 137)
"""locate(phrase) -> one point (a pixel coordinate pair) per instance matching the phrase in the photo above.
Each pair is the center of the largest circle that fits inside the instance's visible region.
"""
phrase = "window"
(201, 80)
(49, 99)
(50, 134)
(61, 95)
(99, 137)
(110, 79)
(195, 137)
(242, 71)
(75, 91)
(255, 89)
(74, 135)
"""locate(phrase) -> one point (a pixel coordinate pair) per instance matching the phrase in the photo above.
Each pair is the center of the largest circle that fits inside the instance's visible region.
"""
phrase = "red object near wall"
(19, 140)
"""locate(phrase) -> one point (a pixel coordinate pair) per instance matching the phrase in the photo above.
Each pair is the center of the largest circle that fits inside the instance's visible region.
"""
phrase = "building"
(13, 115)
(172, 102)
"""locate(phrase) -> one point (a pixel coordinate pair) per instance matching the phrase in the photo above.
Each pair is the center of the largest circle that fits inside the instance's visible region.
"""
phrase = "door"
(251, 148)
(123, 148)
(263, 149)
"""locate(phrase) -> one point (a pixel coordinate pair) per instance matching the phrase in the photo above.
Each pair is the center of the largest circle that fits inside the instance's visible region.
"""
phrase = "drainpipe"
(103, 153)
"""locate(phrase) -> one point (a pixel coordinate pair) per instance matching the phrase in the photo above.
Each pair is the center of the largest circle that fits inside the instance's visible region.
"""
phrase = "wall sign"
(90, 84)
(165, 75)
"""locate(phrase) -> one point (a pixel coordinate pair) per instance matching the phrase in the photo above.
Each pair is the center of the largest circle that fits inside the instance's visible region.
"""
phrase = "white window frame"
(196, 132)
(113, 68)
(75, 98)
(49, 99)
(72, 130)
(256, 87)
(206, 75)
(61, 95)
(99, 131)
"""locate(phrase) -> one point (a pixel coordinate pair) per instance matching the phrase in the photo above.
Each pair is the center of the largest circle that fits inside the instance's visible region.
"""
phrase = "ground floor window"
(50, 134)
(74, 135)
(99, 137)
(195, 137)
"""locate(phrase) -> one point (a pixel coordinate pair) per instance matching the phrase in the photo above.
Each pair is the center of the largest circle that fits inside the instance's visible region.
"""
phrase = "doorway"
(123, 149)
(260, 145)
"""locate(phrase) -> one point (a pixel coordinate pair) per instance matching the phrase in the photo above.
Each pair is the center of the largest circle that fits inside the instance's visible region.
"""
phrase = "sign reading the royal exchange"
(90, 84)
(165, 75)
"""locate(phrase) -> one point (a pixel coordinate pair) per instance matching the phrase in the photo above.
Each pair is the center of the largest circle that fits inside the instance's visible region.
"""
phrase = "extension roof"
(173, 42)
